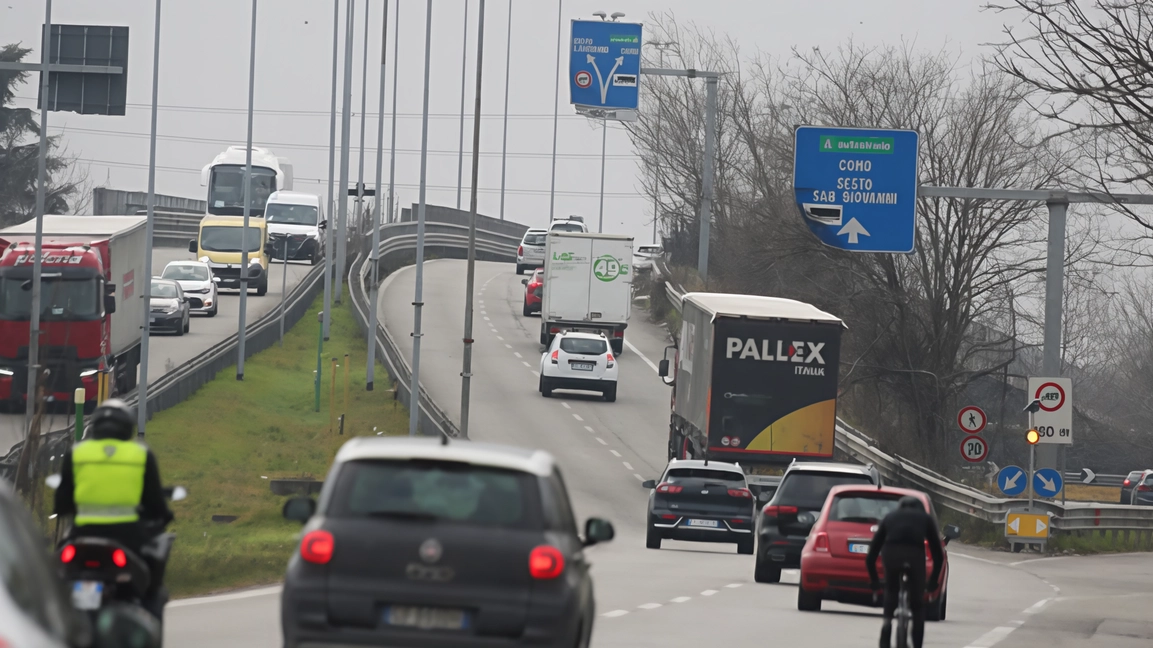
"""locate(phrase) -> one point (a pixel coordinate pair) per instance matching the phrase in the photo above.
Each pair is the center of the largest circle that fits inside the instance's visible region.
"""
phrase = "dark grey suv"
(417, 543)
(783, 524)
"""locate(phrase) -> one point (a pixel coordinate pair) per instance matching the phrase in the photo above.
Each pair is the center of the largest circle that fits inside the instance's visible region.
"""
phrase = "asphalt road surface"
(167, 351)
(684, 594)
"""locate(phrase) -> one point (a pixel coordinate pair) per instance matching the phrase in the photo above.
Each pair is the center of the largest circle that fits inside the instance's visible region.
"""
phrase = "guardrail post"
(332, 400)
(346, 383)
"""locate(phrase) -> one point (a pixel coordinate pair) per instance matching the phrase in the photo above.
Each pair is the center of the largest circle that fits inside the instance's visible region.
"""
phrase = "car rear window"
(534, 239)
(567, 227)
(809, 489)
(863, 507)
(1135, 474)
(583, 346)
(705, 473)
(648, 249)
(441, 491)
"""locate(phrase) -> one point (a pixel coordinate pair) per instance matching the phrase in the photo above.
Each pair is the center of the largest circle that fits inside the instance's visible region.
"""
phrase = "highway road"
(684, 594)
(167, 351)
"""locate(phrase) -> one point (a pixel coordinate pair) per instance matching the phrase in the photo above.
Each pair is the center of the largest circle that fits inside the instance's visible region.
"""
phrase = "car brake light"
(554, 329)
(774, 511)
(668, 516)
(740, 492)
(666, 487)
(821, 543)
(555, 356)
(316, 547)
(119, 558)
(618, 333)
(609, 357)
(545, 562)
(1143, 488)
(1126, 482)
(67, 553)
(520, 250)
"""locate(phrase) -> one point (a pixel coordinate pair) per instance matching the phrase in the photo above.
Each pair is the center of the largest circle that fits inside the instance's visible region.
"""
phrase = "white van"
(297, 219)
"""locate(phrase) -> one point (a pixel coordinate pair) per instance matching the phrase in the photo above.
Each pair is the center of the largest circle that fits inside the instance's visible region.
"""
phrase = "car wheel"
(519, 269)
(653, 538)
(610, 394)
(188, 324)
(215, 309)
(935, 611)
(179, 330)
(545, 388)
(525, 309)
(746, 547)
(765, 571)
(807, 601)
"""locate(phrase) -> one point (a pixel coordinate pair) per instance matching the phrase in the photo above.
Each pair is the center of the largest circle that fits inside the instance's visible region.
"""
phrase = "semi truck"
(587, 285)
(754, 380)
(88, 338)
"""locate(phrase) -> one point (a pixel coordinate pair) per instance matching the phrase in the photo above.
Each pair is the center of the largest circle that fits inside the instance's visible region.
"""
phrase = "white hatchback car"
(530, 252)
(581, 361)
(196, 280)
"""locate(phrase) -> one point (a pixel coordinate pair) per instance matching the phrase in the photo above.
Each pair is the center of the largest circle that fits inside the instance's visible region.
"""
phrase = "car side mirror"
(322, 224)
(269, 248)
(952, 532)
(192, 246)
(598, 530)
(524, 282)
(663, 369)
(216, 280)
(121, 624)
(649, 483)
(109, 304)
(299, 509)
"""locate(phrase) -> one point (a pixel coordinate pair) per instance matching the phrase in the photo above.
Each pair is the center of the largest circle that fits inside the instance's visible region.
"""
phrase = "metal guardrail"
(1076, 517)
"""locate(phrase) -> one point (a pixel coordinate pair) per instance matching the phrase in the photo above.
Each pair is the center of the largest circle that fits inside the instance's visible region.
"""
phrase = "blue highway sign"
(1047, 482)
(1012, 481)
(857, 188)
(605, 64)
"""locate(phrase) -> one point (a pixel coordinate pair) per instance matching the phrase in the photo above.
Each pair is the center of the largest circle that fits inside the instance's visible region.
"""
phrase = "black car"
(701, 501)
(1130, 484)
(420, 543)
(169, 309)
(784, 523)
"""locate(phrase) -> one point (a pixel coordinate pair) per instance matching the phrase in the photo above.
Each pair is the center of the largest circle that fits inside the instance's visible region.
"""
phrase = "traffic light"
(1032, 436)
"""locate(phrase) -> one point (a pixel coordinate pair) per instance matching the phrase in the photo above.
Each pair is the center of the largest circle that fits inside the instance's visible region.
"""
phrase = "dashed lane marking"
(615, 613)
(589, 429)
(565, 405)
(681, 599)
(708, 592)
(517, 354)
(628, 466)
(507, 345)
(526, 364)
(577, 417)
(639, 478)
(536, 373)
(733, 585)
(615, 454)
(649, 606)
(602, 441)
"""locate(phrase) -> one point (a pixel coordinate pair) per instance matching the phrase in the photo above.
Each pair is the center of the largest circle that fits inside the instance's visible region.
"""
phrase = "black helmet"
(910, 502)
(114, 419)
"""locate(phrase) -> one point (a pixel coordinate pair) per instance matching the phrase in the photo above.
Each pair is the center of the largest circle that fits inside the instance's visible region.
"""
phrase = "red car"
(533, 291)
(833, 559)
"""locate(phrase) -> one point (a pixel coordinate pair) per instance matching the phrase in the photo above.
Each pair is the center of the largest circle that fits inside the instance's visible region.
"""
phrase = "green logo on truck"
(607, 268)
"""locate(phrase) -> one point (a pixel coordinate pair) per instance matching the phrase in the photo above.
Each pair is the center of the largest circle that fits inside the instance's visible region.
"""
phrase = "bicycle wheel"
(904, 616)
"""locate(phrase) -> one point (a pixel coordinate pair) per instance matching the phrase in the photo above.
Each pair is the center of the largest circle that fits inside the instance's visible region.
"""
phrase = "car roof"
(536, 230)
(759, 307)
(700, 463)
(294, 198)
(764, 480)
(817, 466)
(185, 262)
(884, 490)
(584, 335)
(494, 455)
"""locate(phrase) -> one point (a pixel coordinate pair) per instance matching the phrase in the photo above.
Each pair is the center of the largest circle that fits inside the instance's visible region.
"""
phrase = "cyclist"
(900, 543)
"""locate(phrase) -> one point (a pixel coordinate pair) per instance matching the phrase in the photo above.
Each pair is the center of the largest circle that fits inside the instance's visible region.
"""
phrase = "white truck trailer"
(587, 285)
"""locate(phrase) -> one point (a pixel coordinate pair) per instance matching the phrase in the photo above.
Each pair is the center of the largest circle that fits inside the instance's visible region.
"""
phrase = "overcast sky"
(204, 75)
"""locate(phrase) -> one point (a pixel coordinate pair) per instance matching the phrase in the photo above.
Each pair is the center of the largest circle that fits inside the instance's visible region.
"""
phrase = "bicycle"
(904, 613)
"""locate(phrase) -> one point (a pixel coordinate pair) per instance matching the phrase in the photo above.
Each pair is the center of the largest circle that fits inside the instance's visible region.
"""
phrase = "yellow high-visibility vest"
(109, 476)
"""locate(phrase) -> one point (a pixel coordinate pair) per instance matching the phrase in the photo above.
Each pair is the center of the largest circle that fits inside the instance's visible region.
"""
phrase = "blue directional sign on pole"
(605, 64)
(1012, 481)
(1047, 482)
(857, 188)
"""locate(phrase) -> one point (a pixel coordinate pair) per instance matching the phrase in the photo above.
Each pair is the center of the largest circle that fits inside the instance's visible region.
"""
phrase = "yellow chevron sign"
(1027, 525)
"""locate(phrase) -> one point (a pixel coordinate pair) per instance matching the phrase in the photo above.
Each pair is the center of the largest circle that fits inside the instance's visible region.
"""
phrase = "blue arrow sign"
(857, 188)
(605, 64)
(1012, 481)
(1047, 482)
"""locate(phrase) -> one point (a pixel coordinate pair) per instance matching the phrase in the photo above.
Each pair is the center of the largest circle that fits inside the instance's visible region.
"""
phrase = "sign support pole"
(418, 295)
(242, 324)
(330, 213)
(1032, 465)
(466, 370)
(37, 246)
(374, 252)
(707, 177)
(142, 388)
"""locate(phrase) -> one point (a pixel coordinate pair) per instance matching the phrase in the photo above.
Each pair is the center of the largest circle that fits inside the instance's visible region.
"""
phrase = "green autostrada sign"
(841, 144)
(607, 268)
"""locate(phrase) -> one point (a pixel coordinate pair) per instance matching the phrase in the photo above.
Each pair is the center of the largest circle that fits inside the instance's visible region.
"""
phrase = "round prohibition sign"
(971, 419)
(583, 79)
(974, 449)
(1048, 393)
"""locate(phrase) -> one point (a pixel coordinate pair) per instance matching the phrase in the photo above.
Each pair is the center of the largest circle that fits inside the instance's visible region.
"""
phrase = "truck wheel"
(653, 538)
(544, 334)
(262, 288)
(618, 345)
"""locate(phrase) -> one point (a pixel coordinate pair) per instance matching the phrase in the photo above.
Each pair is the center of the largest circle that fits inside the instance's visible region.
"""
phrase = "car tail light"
(545, 562)
(668, 516)
(554, 329)
(666, 487)
(609, 357)
(555, 357)
(1126, 482)
(774, 511)
(619, 333)
(740, 492)
(821, 542)
(67, 553)
(1144, 488)
(520, 250)
(119, 558)
(316, 547)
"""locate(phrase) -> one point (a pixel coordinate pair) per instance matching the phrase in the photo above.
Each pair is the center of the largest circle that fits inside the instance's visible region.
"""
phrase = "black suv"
(418, 543)
(783, 524)
(701, 501)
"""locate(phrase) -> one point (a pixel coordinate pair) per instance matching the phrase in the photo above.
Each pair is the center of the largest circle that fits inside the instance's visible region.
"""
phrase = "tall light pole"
(466, 370)
(345, 134)
(661, 47)
(604, 143)
(241, 324)
(328, 207)
(363, 108)
(504, 137)
(146, 324)
(375, 252)
(418, 296)
(395, 69)
(463, 77)
(555, 112)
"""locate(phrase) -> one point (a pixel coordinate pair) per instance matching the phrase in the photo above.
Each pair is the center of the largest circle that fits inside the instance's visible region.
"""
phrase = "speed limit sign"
(974, 448)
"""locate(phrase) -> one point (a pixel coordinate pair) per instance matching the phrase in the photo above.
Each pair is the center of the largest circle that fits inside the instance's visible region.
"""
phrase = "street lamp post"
(374, 253)
(463, 79)
(418, 294)
(504, 137)
(345, 132)
(466, 370)
(146, 325)
(661, 47)
(555, 112)
(242, 324)
(329, 212)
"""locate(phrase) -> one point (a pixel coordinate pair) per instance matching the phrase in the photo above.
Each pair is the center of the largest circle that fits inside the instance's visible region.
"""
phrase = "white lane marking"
(201, 600)
(733, 585)
(992, 637)
(536, 373)
(487, 319)
(642, 356)
(708, 592)
(628, 466)
(577, 417)
(589, 429)
(493, 328)
(615, 613)
(649, 606)
(984, 560)
(484, 312)
(517, 354)
(526, 364)
(615, 454)
(602, 441)
(565, 405)
(681, 599)
(507, 345)
(1036, 607)
(639, 478)
(500, 338)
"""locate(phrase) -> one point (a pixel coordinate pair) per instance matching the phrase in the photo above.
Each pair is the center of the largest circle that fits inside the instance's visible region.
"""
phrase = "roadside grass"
(230, 438)
(1084, 493)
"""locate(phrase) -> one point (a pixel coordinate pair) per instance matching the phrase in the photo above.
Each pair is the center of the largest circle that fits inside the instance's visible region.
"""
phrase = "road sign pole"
(555, 111)
(707, 177)
(1054, 296)
(142, 388)
(466, 369)
(504, 136)
(418, 295)
(330, 215)
(37, 246)
(1032, 466)
(242, 323)
(604, 143)
(374, 252)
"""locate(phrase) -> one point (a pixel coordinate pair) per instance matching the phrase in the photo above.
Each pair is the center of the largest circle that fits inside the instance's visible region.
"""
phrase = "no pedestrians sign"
(971, 419)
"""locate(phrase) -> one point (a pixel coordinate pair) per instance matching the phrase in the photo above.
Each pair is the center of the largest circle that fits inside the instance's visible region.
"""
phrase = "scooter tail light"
(119, 558)
(68, 553)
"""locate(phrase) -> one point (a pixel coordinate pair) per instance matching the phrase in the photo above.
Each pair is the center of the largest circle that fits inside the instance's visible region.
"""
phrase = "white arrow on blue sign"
(1047, 482)
(1012, 481)
(605, 64)
(856, 187)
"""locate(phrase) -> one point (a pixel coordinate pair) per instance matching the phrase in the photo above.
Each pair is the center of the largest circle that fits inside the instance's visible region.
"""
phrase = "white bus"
(224, 177)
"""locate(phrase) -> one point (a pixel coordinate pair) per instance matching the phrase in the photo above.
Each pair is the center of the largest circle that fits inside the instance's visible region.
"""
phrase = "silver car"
(645, 257)
(196, 280)
(530, 254)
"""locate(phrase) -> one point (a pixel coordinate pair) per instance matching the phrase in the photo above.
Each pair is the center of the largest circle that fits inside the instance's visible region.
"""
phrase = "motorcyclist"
(900, 543)
(110, 484)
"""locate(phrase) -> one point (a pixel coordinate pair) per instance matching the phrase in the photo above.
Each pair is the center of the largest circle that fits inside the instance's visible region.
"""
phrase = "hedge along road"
(167, 351)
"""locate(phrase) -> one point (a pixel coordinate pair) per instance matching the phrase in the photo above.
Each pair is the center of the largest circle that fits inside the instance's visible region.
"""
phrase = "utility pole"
(330, 214)
(374, 253)
(466, 371)
(504, 136)
(463, 77)
(392, 152)
(146, 325)
(555, 112)
(661, 47)
(240, 331)
(37, 245)
(418, 296)
(345, 134)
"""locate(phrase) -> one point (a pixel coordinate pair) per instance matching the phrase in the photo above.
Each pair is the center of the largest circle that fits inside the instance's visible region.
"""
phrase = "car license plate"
(858, 548)
(582, 366)
(711, 524)
(426, 618)
(87, 595)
